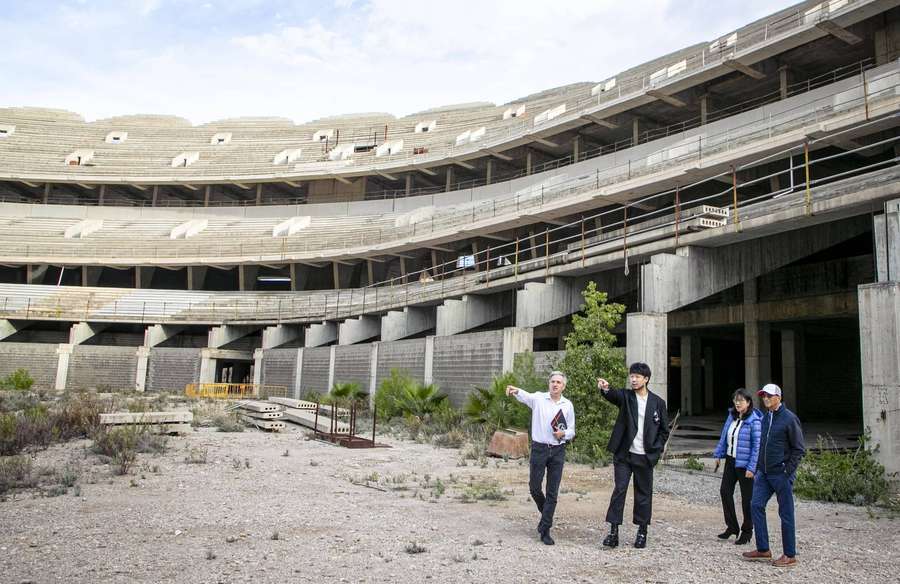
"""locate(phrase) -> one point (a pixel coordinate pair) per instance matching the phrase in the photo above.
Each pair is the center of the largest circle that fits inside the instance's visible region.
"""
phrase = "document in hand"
(558, 423)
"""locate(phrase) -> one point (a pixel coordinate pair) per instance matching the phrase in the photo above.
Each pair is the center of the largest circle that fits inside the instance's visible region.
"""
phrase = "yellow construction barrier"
(234, 390)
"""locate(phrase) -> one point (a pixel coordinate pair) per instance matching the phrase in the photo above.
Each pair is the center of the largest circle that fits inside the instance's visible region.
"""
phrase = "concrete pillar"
(47, 188)
(373, 372)
(320, 334)
(143, 361)
(790, 346)
(154, 198)
(449, 184)
(101, 196)
(403, 269)
(294, 277)
(219, 336)
(757, 345)
(299, 375)
(528, 161)
(543, 302)
(409, 183)
(196, 276)
(879, 328)
(472, 311)
(247, 277)
(259, 193)
(8, 327)
(576, 148)
(358, 330)
(516, 340)
(489, 171)
(83, 331)
(532, 243)
(64, 352)
(207, 191)
(34, 274)
(207, 367)
(887, 42)
(159, 333)
(258, 366)
(411, 321)
(704, 108)
(336, 274)
(428, 376)
(635, 131)
(783, 81)
(691, 399)
(275, 336)
(90, 275)
(886, 232)
(370, 272)
(708, 378)
(647, 341)
(143, 276)
(331, 367)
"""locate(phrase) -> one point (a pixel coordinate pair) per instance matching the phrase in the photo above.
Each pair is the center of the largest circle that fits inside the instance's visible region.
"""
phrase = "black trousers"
(623, 468)
(549, 459)
(730, 476)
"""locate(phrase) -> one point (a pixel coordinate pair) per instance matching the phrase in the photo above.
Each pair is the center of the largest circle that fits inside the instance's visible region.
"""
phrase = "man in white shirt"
(552, 427)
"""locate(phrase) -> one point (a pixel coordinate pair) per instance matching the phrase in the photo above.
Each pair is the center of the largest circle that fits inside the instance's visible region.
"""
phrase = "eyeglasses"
(740, 401)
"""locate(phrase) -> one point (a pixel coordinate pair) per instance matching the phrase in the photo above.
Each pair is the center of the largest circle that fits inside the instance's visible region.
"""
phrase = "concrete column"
(516, 340)
(90, 275)
(403, 269)
(691, 400)
(247, 277)
(358, 330)
(411, 321)
(258, 366)
(887, 42)
(207, 367)
(299, 375)
(320, 334)
(34, 274)
(543, 302)
(647, 341)
(409, 183)
(294, 277)
(489, 171)
(83, 331)
(528, 161)
(708, 378)
(331, 368)
(472, 311)
(259, 193)
(373, 372)
(143, 276)
(428, 376)
(62, 366)
(879, 328)
(275, 336)
(757, 346)
(196, 276)
(143, 362)
(783, 81)
(336, 274)
(154, 198)
(576, 148)
(635, 131)
(47, 188)
(370, 271)
(449, 179)
(207, 191)
(704, 108)
(886, 232)
(790, 346)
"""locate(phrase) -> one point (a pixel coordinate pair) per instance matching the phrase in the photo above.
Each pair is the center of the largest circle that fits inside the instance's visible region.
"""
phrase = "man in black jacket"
(780, 451)
(637, 441)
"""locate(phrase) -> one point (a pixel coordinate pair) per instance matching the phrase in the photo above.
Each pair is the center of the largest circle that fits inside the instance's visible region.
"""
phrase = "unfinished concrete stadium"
(739, 196)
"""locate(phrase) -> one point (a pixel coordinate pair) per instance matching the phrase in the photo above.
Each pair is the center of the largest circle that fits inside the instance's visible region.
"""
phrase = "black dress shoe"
(745, 538)
(727, 533)
(640, 541)
(612, 540)
(546, 539)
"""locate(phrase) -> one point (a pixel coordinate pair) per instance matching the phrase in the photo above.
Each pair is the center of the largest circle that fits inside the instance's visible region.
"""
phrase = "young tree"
(591, 353)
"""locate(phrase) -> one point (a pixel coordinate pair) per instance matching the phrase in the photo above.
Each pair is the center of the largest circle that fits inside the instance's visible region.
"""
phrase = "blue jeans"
(764, 485)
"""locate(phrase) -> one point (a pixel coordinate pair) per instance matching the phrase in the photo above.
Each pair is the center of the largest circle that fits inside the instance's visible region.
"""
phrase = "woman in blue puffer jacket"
(739, 446)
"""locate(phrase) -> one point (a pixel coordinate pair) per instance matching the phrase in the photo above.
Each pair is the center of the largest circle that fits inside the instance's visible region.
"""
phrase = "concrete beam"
(599, 121)
(647, 341)
(64, 352)
(321, 334)
(542, 302)
(219, 336)
(159, 333)
(275, 336)
(143, 364)
(838, 32)
(879, 331)
(9, 327)
(741, 68)
(83, 331)
(673, 101)
(358, 330)
(402, 324)
(458, 316)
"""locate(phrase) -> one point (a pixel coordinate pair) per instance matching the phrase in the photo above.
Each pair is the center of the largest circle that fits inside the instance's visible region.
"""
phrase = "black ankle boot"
(640, 541)
(727, 533)
(744, 538)
(612, 540)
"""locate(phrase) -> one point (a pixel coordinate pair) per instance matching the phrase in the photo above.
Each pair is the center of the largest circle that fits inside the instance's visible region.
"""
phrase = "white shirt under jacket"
(544, 409)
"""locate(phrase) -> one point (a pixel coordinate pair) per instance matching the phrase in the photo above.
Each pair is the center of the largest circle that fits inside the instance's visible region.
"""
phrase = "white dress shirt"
(543, 410)
(637, 447)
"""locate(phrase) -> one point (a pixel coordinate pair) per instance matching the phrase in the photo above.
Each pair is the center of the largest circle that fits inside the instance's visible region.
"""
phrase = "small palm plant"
(347, 394)
(491, 408)
(420, 401)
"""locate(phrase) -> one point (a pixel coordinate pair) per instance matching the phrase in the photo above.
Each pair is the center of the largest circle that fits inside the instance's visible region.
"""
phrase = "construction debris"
(161, 422)
(262, 415)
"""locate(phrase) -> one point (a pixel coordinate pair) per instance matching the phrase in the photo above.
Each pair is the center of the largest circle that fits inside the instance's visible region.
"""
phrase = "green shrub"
(228, 422)
(120, 445)
(420, 401)
(346, 394)
(492, 408)
(854, 477)
(693, 463)
(15, 473)
(399, 382)
(17, 380)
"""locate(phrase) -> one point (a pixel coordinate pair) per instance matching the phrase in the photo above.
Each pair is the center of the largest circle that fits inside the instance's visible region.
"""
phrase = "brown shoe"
(785, 562)
(757, 555)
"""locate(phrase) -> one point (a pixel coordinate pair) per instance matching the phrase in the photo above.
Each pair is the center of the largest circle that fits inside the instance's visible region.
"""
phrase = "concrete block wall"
(408, 355)
(38, 358)
(99, 367)
(316, 361)
(544, 361)
(352, 364)
(279, 367)
(464, 361)
(172, 369)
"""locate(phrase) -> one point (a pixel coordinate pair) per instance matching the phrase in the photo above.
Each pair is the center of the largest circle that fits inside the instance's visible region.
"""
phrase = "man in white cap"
(780, 451)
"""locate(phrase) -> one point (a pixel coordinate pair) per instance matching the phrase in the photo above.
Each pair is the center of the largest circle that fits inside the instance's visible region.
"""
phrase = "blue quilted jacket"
(747, 439)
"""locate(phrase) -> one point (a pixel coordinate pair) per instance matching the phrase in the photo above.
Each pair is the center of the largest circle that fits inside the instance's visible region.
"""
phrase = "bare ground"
(280, 508)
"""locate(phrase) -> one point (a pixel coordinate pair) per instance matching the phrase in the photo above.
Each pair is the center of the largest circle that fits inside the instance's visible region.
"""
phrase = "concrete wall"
(408, 355)
(464, 361)
(104, 368)
(172, 369)
(352, 363)
(316, 361)
(279, 367)
(39, 359)
(545, 360)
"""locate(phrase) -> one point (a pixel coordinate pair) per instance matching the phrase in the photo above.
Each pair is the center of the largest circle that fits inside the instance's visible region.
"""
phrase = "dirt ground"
(282, 508)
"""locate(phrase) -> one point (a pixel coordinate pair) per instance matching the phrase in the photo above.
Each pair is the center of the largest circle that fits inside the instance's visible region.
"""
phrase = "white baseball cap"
(770, 389)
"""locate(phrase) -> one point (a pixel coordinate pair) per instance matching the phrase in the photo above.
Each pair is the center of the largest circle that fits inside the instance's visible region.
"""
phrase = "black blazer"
(656, 424)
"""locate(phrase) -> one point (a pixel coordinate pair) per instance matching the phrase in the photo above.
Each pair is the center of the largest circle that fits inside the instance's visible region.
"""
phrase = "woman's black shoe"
(744, 538)
(727, 533)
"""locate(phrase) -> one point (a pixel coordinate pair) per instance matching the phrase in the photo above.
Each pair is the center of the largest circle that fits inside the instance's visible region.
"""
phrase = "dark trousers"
(549, 459)
(623, 468)
(782, 486)
(730, 477)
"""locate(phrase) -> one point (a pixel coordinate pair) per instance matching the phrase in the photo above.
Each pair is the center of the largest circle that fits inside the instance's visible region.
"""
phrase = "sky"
(209, 60)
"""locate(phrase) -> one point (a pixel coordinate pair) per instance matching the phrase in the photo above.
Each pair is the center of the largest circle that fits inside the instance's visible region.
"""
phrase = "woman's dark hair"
(746, 396)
